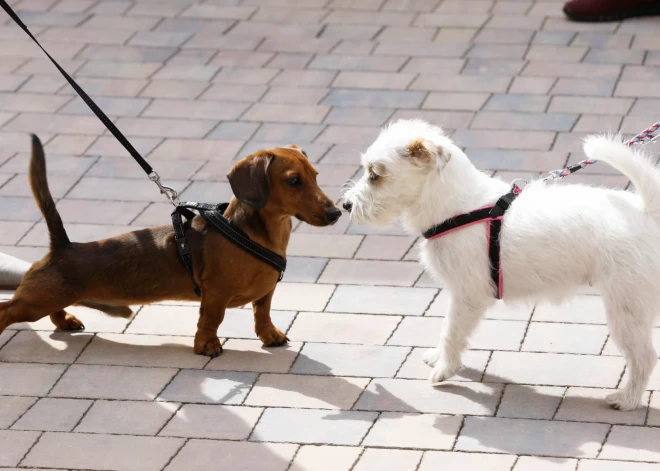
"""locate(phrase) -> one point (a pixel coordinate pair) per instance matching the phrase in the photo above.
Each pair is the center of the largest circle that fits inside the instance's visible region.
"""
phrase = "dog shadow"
(574, 427)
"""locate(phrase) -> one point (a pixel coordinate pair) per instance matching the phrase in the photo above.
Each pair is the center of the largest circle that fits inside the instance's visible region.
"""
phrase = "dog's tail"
(633, 164)
(39, 185)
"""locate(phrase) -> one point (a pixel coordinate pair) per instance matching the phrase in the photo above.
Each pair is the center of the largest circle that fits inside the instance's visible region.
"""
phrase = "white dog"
(554, 239)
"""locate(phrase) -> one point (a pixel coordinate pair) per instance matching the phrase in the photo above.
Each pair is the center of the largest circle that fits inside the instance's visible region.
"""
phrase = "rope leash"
(644, 137)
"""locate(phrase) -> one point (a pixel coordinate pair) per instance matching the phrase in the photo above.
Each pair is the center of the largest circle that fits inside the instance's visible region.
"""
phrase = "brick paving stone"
(371, 272)
(320, 245)
(217, 422)
(555, 370)
(112, 382)
(14, 445)
(490, 334)
(12, 408)
(381, 300)
(325, 458)
(251, 355)
(455, 101)
(631, 444)
(203, 454)
(304, 269)
(603, 465)
(524, 121)
(532, 463)
(307, 392)
(343, 328)
(579, 310)
(25, 379)
(349, 360)
(453, 461)
(403, 460)
(118, 452)
(53, 415)
(523, 436)
(404, 395)
(286, 113)
(461, 83)
(426, 431)
(565, 338)
(313, 426)
(126, 417)
(210, 387)
(531, 85)
(141, 350)
(44, 347)
(377, 99)
(530, 402)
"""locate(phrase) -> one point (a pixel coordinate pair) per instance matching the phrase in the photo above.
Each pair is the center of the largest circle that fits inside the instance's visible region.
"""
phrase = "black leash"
(153, 176)
(213, 214)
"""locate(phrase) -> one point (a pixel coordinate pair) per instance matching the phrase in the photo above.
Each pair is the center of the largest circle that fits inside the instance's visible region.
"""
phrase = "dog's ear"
(420, 152)
(249, 180)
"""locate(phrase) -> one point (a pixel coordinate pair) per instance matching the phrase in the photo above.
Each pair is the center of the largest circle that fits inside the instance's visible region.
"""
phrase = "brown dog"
(143, 267)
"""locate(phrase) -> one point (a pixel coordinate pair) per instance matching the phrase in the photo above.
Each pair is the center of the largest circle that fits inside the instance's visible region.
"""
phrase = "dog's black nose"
(348, 206)
(332, 214)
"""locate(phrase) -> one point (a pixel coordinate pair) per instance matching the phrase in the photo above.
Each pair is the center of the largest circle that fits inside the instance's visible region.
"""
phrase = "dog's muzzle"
(348, 206)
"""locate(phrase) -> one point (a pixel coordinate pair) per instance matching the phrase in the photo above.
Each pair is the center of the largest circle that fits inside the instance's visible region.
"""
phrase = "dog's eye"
(373, 176)
(295, 181)
(304, 153)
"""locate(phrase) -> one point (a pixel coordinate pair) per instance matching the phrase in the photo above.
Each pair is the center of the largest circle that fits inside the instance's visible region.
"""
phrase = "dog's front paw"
(622, 401)
(443, 371)
(431, 357)
(210, 347)
(272, 337)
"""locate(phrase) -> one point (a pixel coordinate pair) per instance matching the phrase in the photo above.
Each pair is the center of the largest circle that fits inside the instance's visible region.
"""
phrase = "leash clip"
(171, 194)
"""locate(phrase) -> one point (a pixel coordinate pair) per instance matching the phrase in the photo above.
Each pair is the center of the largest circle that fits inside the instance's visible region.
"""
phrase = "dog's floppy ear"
(422, 152)
(249, 180)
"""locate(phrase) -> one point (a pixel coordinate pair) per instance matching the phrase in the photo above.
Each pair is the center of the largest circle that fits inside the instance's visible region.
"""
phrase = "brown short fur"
(142, 267)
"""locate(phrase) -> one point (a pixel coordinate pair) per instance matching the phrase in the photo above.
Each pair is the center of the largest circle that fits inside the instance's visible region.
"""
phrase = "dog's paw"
(208, 347)
(622, 401)
(67, 322)
(443, 371)
(431, 357)
(272, 337)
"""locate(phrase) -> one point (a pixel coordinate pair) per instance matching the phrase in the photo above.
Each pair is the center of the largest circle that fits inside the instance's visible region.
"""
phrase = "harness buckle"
(502, 205)
(171, 194)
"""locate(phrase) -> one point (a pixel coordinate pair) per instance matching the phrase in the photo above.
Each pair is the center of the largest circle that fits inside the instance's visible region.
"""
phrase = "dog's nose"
(332, 214)
(348, 206)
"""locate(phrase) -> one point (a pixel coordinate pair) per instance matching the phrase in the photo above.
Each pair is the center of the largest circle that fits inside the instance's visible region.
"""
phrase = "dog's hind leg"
(631, 327)
(20, 309)
(462, 318)
(65, 321)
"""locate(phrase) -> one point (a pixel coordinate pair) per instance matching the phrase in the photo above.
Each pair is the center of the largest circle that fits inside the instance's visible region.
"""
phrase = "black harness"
(214, 215)
(492, 214)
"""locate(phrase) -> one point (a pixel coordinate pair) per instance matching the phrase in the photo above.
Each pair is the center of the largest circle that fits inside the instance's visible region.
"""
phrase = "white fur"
(555, 239)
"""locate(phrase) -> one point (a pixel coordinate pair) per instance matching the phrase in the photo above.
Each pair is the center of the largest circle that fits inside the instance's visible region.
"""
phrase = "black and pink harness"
(491, 214)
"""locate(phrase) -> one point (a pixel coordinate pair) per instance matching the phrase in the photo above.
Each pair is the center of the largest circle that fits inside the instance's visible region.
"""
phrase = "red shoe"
(610, 10)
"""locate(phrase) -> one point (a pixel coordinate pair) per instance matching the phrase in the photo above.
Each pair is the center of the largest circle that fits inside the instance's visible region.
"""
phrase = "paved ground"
(196, 86)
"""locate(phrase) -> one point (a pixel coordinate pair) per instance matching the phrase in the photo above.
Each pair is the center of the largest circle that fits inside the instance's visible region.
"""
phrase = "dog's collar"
(214, 215)
(491, 214)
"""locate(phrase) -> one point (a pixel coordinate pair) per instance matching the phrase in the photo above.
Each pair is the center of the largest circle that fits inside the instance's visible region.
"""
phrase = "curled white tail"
(633, 164)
